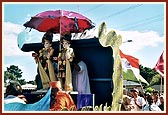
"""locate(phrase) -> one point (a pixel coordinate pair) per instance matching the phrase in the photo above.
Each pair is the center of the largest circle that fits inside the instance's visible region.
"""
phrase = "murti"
(65, 56)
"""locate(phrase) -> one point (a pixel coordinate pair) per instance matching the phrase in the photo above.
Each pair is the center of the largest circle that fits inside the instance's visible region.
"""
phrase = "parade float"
(101, 55)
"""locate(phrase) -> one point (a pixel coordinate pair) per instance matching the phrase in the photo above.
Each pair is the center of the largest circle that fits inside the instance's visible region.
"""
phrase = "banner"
(159, 67)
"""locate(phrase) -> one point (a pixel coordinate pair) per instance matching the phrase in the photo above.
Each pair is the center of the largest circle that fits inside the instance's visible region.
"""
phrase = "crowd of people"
(133, 101)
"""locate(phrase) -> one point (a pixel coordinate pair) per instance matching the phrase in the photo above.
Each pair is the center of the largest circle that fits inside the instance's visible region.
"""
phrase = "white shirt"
(153, 108)
(12, 99)
(140, 101)
(81, 79)
(157, 102)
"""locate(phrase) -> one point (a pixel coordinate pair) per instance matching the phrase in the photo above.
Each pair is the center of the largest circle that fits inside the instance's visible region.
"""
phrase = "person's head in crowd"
(124, 91)
(149, 99)
(146, 95)
(161, 99)
(14, 88)
(135, 92)
(155, 94)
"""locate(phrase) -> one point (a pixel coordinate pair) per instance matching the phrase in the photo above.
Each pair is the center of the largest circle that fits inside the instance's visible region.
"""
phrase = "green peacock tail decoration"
(111, 39)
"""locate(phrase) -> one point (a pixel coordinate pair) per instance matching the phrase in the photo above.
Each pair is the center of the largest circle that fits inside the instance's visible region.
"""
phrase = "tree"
(155, 80)
(31, 82)
(8, 76)
(149, 89)
(14, 73)
(151, 76)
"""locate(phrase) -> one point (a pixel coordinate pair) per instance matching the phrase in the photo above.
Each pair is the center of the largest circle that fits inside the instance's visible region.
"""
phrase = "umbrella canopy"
(60, 21)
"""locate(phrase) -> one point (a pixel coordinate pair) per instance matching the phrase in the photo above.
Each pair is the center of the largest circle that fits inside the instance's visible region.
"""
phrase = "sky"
(143, 23)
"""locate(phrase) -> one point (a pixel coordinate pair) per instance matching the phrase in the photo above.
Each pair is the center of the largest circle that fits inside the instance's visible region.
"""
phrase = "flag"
(159, 67)
(130, 67)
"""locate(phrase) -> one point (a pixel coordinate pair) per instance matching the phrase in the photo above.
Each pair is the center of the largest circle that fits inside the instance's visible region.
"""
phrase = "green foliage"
(14, 73)
(151, 76)
(9, 76)
(155, 80)
(31, 82)
(22, 81)
(149, 89)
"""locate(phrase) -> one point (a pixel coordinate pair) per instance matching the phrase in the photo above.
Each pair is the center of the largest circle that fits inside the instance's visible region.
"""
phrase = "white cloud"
(10, 32)
(140, 40)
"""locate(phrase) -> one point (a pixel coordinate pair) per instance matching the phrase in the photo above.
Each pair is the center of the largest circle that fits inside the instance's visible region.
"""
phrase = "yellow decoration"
(114, 41)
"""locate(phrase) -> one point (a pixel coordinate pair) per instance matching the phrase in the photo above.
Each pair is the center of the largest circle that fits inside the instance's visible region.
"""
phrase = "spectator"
(155, 97)
(126, 102)
(60, 99)
(150, 106)
(80, 77)
(146, 95)
(14, 93)
(161, 106)
(137, 101)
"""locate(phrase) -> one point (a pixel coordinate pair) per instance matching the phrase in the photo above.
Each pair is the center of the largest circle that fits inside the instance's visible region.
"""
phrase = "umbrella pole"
(60, 36)
(59, 55)
(60, 46)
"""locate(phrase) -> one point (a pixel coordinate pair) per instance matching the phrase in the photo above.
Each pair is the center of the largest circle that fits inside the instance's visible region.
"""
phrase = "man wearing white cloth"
(80, 77)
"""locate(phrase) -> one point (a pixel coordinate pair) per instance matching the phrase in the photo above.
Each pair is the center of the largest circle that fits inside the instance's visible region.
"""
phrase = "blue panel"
(85, 100)
(99, 62)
